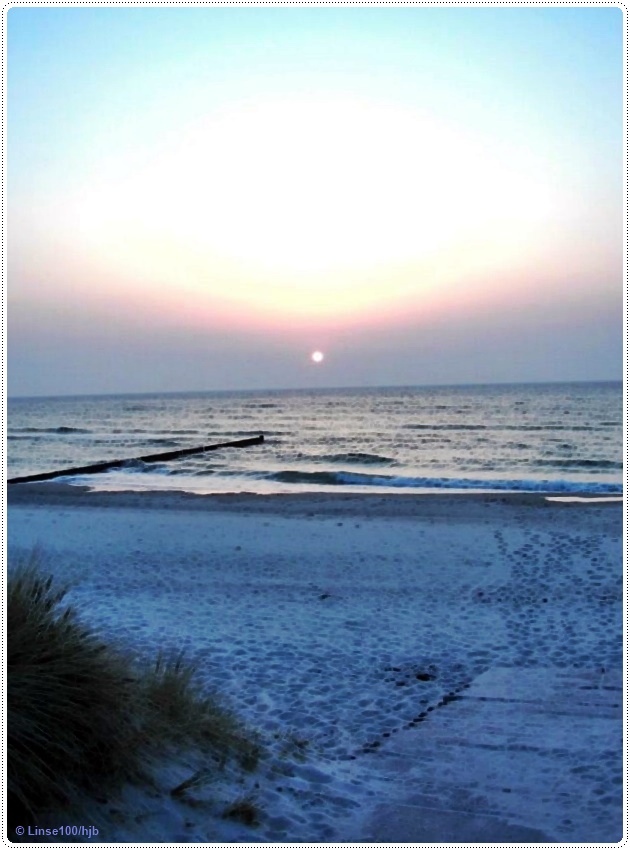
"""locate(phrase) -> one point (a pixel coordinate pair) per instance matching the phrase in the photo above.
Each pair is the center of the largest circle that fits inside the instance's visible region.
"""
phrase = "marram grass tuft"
(82, 717)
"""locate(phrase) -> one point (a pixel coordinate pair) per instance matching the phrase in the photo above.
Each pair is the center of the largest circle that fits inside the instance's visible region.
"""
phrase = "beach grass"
(84, 717)
(178, 711)
(243, 809)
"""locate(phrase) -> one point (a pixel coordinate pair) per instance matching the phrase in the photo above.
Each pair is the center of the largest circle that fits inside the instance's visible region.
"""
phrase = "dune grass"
(243, 809)
(177, 711)
(83, 717)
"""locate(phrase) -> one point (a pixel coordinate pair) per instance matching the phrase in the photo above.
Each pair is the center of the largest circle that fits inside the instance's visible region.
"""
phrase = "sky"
(198, 198)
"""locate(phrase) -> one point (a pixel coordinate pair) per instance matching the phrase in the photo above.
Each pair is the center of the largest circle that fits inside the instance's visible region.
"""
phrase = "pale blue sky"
(428, 193)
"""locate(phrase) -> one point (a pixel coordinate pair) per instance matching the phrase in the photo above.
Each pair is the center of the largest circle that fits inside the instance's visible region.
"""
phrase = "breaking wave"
(586, 463)
(329, 478)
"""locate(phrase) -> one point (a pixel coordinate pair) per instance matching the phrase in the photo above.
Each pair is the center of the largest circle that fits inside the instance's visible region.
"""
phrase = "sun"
(317, 356)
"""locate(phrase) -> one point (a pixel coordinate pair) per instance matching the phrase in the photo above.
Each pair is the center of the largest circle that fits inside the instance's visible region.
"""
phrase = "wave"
(364, 480)
(332, 478)
(169, 431)
(135, 465)
(352, 457)
(165, 442)
(62, 429)
(582, 464)
(464, 427)
(291, 476)
(445, 427)
(262, 405)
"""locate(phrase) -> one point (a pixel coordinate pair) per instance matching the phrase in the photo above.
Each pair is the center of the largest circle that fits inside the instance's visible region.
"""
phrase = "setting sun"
(412, 186)
(317, 356)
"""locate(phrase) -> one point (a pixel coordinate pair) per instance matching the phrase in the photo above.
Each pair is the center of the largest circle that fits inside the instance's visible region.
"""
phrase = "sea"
(560, 438)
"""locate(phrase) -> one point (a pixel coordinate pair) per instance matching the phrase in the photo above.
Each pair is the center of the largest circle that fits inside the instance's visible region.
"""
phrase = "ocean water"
(517, 437)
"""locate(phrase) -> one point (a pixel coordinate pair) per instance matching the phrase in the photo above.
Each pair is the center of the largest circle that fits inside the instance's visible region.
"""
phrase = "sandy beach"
(420, 668)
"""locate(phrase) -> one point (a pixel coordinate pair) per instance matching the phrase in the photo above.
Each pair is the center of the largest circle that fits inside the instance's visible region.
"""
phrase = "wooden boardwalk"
(521, 756)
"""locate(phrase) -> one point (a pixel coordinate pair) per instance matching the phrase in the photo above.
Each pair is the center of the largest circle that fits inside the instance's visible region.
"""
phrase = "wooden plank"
(155, 458)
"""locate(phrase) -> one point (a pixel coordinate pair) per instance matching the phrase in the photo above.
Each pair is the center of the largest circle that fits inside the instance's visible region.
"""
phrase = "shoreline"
(295, 504)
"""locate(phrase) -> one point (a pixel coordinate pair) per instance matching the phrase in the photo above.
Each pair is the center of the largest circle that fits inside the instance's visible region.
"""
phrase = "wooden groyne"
(155, 458)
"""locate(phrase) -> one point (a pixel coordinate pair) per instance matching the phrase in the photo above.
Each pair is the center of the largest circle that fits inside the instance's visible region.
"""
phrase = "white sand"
(332, 623)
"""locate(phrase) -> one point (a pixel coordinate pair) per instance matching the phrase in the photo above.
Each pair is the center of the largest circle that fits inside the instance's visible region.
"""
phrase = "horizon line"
(339, 388)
